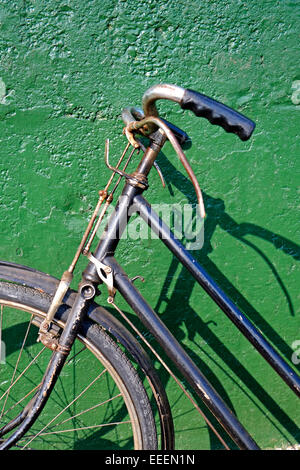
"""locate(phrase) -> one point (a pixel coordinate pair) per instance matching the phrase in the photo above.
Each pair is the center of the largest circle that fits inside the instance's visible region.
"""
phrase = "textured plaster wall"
(67, 68)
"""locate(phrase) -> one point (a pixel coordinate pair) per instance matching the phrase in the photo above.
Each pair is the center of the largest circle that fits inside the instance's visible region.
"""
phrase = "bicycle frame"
(132, 201)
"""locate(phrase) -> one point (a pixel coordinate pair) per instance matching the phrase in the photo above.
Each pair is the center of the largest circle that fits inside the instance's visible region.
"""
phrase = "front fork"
(30, 413)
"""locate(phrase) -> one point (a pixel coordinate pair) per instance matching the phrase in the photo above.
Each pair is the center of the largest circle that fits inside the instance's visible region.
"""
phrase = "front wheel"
(99, 401)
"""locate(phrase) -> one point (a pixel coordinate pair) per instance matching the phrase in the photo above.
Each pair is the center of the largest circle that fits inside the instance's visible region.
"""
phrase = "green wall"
(67, 69)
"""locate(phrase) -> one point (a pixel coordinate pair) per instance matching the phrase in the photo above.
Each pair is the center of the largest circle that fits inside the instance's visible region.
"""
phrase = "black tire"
(135, 403)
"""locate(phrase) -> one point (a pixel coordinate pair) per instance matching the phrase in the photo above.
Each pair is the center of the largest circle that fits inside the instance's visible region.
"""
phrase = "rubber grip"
(218, 114)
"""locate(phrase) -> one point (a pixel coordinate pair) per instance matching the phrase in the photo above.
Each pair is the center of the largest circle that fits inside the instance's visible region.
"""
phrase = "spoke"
(77, 429)
(76, 398)
(89, 409)
(26, 368)
(75, 355)
(67, 362)
(25, 396)
(172, 375)
(16, 445)
(16, 367)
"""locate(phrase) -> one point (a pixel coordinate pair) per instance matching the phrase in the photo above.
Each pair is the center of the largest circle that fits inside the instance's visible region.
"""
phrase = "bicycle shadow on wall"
(184, 284)
(170, 302)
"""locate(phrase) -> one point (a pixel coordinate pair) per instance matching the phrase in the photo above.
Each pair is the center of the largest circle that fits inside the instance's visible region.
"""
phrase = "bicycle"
(72, 329)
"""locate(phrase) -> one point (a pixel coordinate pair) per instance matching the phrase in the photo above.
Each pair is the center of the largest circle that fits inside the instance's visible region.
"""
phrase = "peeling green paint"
(67, 69)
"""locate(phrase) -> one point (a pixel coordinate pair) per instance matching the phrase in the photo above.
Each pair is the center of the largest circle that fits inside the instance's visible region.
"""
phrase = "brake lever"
(136, 125)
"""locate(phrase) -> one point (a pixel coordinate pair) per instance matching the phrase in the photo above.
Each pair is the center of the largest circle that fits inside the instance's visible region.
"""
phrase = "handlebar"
(202, 106)
(147, 120)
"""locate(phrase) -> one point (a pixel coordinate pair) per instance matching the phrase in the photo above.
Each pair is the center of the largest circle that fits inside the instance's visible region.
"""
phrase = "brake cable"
(142, 125)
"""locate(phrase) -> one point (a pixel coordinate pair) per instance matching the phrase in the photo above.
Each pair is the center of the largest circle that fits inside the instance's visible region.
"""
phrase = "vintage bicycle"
(65, 332)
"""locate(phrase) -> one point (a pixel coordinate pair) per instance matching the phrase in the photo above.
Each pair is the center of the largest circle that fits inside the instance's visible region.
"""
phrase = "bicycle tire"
(121, 372)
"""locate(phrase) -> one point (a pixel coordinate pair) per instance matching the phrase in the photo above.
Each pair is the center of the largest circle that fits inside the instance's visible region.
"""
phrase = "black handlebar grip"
(218, 114)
